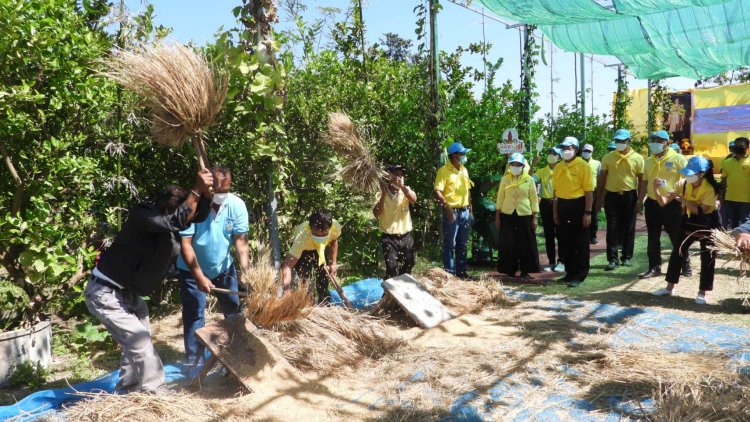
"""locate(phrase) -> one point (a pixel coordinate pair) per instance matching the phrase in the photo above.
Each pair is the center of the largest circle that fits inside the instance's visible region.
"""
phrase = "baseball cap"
(622, 134)
(457, 147)
(661, 134)
(695, 165)
(569, 141)
(517, 157)
(554, 150)
(588, 147)
(675, 147)
(611, 145)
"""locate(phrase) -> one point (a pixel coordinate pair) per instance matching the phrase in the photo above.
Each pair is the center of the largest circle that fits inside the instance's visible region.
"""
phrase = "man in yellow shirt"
(596, 168)
(617, 188)
(572, 211)
(735, 172)
(394, 220)
(663, 165)
(547, 196)
(452, 186)
(314, 250)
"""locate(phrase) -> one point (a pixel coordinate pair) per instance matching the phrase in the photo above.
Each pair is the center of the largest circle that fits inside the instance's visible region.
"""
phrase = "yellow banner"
(721, 96)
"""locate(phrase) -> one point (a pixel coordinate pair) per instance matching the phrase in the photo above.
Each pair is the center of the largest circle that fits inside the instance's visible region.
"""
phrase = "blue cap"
(457, 147)
(622, 134)
(695, 164)
(675, 147)
(554, 150)
(731, 144)
(569, 141)
(517, 157)
(612, 145)
(661, 134)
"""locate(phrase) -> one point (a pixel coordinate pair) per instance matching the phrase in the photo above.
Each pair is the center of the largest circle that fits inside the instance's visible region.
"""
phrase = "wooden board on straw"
(251, 359)
(416, 301)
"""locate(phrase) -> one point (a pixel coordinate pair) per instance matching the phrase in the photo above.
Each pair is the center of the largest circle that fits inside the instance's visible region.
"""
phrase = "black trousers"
(708, 258)
(574, 238)
(550, 230)
(620, 211)
(517, 245)
(669, 218)
(398, 251)
(307, 267)
(594, 227)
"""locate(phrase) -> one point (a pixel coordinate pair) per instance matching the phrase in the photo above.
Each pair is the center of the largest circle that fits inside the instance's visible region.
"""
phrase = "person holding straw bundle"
(314, 250)
(515, 218)
(133, 266)
(394, 220)
(698, 193)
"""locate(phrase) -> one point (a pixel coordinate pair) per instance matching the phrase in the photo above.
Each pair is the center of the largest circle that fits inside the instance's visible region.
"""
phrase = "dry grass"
(459, 295)
(724, 244)
(705, 399)
(183, 90)
(140, 407)
(360, 171)
(331, 337)
(264, 306)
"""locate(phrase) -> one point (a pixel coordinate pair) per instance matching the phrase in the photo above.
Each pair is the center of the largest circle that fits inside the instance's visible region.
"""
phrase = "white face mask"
(462, 159)
(515, 170)
(219, 198)
(692, 179)
(319, 239)
(552, 159)
(656, 147)
(586, 155)
(621, 146)
(568, 154)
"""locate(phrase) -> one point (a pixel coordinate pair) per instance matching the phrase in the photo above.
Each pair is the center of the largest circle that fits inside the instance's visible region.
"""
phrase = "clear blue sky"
(198, 21)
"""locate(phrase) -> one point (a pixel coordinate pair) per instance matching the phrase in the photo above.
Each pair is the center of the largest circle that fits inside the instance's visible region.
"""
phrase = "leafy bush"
(29, 374)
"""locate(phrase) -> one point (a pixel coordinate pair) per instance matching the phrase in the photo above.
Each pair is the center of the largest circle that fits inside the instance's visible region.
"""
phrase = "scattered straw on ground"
(459, 295)
(726, 245)
(360, 171)
(704, 399)
(331, 336)
(140, 407)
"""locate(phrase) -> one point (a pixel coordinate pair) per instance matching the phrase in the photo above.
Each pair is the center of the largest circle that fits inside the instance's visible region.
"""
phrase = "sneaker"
(700, 299)
(626, 263)
(611, 266)
(548, 269)
(560, 267)
(663, 292)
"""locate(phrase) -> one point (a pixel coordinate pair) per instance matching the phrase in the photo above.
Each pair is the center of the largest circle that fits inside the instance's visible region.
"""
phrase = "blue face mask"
(656, 147)
(462, 159)
(319, 239)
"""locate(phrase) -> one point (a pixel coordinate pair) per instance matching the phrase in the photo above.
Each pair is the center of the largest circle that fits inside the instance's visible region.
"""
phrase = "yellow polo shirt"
(737, 174)
(596, 167)
(667, 168)
(545, 180)
(395, 217)
(703, 194)
(517, 194)
(303, 241)
(572, 180)
(622, 170)
(454, 184)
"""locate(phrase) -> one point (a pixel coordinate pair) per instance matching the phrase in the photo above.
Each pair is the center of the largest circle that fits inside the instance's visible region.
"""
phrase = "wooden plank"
(418, 303)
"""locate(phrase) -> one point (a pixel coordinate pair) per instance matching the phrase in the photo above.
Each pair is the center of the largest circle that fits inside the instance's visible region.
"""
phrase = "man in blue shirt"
(206, 260)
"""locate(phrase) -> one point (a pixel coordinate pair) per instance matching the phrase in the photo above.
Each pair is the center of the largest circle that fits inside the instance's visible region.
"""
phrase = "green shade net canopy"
(655, 39)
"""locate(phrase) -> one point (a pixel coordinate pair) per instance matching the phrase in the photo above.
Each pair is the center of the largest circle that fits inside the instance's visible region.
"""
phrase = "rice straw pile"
(459, 295)
(331, 337)
(264, 306)
(360, 172)
(140, 407)
(724, 244)
(184, 92)
(702, 400)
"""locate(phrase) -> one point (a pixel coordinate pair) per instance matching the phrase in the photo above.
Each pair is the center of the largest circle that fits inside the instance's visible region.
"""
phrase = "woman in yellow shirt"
(697, 193)
(515, 217)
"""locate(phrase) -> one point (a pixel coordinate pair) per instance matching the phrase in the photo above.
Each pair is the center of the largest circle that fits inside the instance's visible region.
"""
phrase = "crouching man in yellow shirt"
(394, 220)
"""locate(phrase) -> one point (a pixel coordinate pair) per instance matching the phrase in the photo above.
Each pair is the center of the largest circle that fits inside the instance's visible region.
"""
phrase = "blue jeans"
(194, 308)
(455, 237)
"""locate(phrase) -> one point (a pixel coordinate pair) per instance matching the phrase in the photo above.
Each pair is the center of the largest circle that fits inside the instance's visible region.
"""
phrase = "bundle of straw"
(264, 306)
(184, 92)
(459, 295)
(332, 336)
(140, 407)
(724, 244)
(360, 172)
(703, 400)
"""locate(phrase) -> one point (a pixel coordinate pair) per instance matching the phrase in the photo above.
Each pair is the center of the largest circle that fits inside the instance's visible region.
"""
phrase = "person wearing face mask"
(314, 253)
(547, 194)
(206, 260)
(617, 188)
(134, 266)
(452, 187)
(662, 168)
(596, 168)
(394, 220)
(515, 217)
(572, 209)
(697, 193)
(735, 176)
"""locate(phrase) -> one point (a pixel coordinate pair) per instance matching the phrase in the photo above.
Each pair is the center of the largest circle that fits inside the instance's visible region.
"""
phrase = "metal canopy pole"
(583, 94)
(434, 80)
